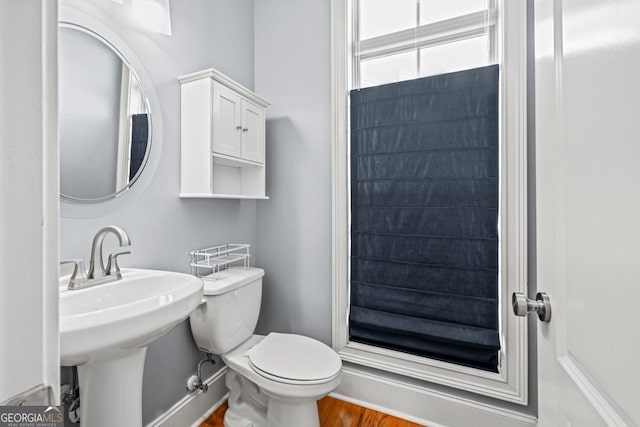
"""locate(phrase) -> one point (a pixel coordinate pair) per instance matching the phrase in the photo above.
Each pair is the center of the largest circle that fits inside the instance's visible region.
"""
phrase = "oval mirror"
(104, 118)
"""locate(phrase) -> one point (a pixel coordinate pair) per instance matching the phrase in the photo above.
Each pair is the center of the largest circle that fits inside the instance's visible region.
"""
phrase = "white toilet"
(273, 381)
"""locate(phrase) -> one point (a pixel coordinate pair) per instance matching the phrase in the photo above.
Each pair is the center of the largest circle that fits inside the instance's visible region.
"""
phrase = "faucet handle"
(79, 274)
(113, 269)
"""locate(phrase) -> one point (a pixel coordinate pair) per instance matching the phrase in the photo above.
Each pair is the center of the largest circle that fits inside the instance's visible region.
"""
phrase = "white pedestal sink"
(105, 330)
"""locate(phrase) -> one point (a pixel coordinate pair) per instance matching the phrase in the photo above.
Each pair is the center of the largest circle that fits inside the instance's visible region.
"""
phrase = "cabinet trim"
(233, 161)
(227, 81)
(221, 196)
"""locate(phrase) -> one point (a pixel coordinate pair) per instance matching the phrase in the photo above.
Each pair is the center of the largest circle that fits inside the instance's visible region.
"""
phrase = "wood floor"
(333, 413)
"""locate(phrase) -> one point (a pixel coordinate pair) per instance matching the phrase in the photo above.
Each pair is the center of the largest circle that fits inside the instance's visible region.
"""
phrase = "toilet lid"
(295, 358)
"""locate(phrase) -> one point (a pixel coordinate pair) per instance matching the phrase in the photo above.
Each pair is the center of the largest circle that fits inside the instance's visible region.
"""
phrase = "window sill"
(490, 384)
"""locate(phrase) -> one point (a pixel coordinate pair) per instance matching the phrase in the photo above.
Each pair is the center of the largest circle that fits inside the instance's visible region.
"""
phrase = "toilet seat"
(294, 359)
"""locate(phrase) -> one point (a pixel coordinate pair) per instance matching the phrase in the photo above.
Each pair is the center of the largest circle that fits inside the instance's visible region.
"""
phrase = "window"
(382, 41)
(407, 39)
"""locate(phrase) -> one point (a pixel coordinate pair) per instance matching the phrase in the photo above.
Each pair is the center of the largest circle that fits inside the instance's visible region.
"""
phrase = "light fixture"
(154, 15)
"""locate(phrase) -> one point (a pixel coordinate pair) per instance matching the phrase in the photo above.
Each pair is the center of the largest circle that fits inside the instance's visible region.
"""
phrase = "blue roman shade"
(424, 217)
(139, 141)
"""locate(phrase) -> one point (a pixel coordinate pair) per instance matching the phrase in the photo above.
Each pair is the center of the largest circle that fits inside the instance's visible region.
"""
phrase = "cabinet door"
(227, 117)
(253, 135)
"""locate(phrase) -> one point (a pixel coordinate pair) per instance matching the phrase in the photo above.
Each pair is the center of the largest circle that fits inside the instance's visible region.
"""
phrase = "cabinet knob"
(238, 127)
(245, 129)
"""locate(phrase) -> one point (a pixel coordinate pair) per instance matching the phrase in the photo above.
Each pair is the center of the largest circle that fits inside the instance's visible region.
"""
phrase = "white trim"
(124, 132)
(513, 189)
(226, 81)
(606, 408)
(196, 407)
(511, 383)
(423, 405)
(447, 31)
(486, 383)
(339, 171)
(50, 201)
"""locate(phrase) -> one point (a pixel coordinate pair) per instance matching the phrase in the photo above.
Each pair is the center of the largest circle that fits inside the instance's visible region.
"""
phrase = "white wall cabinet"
(222, 138)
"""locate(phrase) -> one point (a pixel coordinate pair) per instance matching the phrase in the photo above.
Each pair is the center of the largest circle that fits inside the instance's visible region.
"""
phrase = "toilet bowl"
(273, 380)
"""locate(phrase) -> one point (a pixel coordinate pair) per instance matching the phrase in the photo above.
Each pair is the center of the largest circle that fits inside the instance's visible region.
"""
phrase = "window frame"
(511, 382)
(424, 36)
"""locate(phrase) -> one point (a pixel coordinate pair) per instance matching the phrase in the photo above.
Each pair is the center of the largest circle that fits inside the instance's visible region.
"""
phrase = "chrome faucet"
(98, 272)
(97, 269)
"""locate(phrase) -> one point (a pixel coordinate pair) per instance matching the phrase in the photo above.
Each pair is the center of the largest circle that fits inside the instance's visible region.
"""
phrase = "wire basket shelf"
(207, 262)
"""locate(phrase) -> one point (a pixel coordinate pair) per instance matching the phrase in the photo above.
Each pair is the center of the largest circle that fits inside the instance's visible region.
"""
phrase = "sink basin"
(108, 320)
(105, 330)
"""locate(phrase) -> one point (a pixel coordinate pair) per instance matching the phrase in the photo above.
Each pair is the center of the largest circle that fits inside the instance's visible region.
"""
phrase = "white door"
(588, 210)
(252, 132)
(29, 192)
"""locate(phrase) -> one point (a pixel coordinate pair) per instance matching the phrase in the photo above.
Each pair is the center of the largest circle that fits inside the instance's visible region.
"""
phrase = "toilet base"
(247, 403)
(303, 413)
(250, 406)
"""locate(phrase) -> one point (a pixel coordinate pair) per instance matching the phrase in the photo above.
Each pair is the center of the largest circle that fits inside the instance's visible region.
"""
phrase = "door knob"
(541, 305)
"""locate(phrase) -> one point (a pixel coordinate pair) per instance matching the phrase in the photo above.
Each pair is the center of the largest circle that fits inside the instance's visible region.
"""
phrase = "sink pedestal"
(111, 391)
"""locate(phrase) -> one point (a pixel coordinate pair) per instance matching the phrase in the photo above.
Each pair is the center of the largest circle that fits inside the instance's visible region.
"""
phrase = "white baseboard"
(196, 407)
(417, 404)
(422, 405)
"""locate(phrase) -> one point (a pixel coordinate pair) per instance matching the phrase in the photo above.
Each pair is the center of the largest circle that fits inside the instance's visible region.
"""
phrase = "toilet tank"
(230, 313)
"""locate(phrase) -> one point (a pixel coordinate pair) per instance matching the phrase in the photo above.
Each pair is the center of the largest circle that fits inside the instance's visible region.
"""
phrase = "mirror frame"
(143, 90)
(73, 13)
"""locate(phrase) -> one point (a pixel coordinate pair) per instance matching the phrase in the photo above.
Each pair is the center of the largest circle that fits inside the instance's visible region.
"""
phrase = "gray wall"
(90, 80)
(293, 231)
(163, 228)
